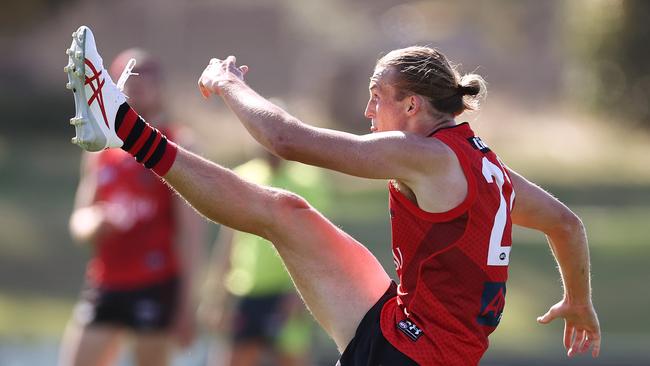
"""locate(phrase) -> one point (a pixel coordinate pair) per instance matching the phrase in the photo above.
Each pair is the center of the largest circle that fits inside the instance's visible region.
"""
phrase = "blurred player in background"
(251, 296)
(145, 243)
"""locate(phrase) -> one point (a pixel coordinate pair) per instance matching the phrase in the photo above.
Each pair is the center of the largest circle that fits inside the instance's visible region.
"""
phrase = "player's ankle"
(147, 144)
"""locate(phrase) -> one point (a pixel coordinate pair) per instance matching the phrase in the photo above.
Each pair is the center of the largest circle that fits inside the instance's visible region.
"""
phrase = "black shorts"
(149, 308)
(369, 347)
(258, 318)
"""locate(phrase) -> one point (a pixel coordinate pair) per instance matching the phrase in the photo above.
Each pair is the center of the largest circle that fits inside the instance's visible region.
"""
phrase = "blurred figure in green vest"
(251, 296)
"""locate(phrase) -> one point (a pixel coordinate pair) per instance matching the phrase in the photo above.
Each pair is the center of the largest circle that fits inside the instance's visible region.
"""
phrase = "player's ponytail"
(472, 89)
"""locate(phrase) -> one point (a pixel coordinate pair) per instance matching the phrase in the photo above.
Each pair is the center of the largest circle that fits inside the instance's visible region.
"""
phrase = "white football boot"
(96, 97)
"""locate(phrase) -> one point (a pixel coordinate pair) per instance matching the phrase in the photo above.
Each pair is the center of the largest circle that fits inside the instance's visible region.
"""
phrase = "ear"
(413, 104)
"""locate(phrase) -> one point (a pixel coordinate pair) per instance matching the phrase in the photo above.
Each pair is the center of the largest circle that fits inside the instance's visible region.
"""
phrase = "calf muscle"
(220, 195)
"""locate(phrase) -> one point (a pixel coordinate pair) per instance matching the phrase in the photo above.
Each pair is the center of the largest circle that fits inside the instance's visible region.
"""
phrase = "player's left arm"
(535, 208)
(88, 219)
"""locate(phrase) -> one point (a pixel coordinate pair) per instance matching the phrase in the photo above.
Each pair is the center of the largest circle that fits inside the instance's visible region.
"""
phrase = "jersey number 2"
(498, 255)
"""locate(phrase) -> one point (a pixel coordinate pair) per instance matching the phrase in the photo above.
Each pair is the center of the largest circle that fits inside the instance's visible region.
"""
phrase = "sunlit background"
(568, 106)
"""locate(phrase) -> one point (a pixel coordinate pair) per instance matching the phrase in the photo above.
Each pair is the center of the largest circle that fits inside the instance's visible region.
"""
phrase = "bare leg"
(337, 277)
(292, 360)
(153, 349)
(89, 346)
(246, 353)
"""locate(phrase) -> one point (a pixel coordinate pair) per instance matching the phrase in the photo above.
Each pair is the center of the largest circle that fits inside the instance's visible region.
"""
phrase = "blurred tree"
(610, 39)
(18, 14)
(629, 49)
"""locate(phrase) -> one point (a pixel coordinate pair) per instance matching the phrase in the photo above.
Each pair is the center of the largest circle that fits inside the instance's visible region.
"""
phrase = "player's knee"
(286, 205)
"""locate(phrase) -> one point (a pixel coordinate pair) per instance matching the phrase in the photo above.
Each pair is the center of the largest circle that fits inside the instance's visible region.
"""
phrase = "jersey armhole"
(454, 212)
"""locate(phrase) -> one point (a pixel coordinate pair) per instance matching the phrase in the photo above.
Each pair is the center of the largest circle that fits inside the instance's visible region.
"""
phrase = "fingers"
(216, 72)
(568, 336)
(585, 345)
(548, 317)
(204, 91)
(594, 339)
(577, 343)
(580, 341)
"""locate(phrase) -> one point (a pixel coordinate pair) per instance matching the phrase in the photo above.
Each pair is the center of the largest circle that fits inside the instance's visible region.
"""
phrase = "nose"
(370, 110)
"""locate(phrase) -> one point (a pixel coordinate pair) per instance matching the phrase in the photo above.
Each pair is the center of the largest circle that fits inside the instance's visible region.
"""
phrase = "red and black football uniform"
(132, 278)
(143, 253)
(452, 266)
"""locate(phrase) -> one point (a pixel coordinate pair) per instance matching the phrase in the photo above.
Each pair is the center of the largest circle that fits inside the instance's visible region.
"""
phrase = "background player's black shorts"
(149, 308)
(369, 347)
(258, 317)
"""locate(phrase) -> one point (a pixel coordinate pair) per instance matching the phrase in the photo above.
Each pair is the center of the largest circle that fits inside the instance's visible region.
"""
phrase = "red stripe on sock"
(140, 141)
(169, 156)
(153, 146)
(127, 124)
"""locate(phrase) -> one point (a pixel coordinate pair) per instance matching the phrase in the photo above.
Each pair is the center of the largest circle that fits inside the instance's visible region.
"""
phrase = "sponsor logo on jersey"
(492, 303)
(478, 144)
(410, 329)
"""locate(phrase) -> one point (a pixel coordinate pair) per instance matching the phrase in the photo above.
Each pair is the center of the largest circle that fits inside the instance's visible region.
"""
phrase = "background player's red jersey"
(452, 266)
(142, 253)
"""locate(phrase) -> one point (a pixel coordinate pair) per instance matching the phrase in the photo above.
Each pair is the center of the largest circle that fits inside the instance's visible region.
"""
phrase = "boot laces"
(126, 73)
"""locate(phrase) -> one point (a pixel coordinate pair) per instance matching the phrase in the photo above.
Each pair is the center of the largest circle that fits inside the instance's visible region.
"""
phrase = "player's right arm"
(536, 209)
(84, 221)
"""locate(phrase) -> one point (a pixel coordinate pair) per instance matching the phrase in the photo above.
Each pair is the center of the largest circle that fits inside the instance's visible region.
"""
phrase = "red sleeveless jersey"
(142, 252)
(452, 266)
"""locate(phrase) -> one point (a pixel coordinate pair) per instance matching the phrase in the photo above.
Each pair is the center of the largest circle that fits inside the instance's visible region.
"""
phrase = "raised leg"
(337, 277)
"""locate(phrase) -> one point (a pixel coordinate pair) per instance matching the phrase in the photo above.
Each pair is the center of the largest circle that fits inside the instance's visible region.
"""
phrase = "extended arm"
(394, 154)
(538, 210)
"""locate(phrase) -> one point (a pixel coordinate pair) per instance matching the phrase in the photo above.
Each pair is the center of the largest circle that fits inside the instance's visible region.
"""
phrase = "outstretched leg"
(337, 277)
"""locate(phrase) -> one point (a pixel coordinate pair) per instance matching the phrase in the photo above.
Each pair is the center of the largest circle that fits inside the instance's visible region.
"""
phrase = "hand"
(118, 217)
(218, 73)
(581, 327)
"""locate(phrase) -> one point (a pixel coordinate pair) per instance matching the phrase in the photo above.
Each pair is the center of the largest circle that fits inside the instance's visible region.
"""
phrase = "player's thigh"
(337, 277)
(93, 345)
(152, 348)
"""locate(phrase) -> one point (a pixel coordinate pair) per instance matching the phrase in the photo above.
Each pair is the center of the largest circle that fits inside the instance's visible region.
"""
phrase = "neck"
(447, 122)
(427, 127)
